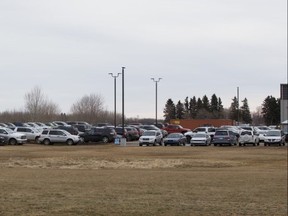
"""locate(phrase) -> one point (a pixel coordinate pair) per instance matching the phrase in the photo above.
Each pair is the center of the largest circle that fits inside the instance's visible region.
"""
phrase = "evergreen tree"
(220, 108)
(214, 103)
(169, 110)
(187, 108)
(193, 107)
(180, 111)
(234, 109)
(199, 104)
(205, 103)
(245, 112)
(271, 110)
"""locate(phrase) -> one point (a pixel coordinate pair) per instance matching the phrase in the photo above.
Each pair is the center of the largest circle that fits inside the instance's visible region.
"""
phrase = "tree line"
(203, 108)
(90, 108)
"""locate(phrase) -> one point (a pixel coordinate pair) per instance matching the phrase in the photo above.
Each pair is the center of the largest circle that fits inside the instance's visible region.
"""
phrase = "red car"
(172, 128)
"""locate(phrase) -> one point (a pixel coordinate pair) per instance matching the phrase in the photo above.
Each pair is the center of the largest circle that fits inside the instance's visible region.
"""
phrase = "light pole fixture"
(114, 76)
(156, 92)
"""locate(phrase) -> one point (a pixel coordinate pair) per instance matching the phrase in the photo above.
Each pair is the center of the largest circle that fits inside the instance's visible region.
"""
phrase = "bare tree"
(39, 106)
(89, 107)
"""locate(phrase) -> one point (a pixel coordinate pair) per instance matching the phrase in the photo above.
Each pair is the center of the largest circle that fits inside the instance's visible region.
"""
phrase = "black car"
(96, 134)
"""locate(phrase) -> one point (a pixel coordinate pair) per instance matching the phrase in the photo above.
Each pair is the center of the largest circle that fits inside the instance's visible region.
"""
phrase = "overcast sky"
(68, 47)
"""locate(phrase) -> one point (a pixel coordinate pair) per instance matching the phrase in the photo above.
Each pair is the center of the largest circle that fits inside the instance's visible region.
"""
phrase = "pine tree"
(193, 107)
(220, 108)
(271, 110)
(169, 110)
(187, 108)
(180, 110)
(245, 112)
(234, 109)
(205, 103)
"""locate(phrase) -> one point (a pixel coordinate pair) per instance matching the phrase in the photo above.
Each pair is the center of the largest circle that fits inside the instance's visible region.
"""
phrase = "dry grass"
(113, 180)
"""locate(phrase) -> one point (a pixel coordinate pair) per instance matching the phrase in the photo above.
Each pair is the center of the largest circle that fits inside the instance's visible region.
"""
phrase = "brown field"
(115, 180)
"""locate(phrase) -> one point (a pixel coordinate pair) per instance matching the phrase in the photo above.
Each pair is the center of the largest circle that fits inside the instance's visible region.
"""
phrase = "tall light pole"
(114, 76)
(156, 89)
(123, 115)
(238, 111)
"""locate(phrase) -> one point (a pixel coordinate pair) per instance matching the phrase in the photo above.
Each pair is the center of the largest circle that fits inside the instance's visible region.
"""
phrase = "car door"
(57, 136)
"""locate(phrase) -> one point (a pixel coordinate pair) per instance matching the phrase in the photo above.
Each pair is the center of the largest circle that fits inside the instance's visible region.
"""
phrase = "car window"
(44, 132)
(221, 133)
(3, 131)
(211, 129)
(246, 133)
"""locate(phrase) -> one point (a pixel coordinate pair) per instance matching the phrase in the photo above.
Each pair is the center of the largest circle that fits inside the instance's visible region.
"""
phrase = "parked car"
(224, 137)
(175, 139)
(12, 137)
(274, 137)
(153, 127)
(31, 133)
(58, 123)
(71, 129)
(209, 130)
(151, 137)
(51, 136)
(132, 133)
(120, 133)
(172, 128)
(3, 125)
(201, 139)
(248, 137)
(96, 134)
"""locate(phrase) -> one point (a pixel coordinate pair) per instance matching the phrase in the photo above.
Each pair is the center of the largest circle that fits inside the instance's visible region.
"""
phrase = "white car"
(51, 136)
(151, 137)
(274, 137)
(31, 133)
(208, 130)
(12, 137)
(248, 137)
(200, 139)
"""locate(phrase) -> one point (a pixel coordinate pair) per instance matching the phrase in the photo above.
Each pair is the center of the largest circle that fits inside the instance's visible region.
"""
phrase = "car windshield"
(8, 130)
(173, 135)
(221, 133)
(200, 135)
(246, 133)
(273, 133)
(149, 133)
(201, 129)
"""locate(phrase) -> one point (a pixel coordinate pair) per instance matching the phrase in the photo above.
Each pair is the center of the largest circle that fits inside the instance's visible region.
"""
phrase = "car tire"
(140, 144)
(105, 139)
(46, 142)
(13, 141)
(70, 142)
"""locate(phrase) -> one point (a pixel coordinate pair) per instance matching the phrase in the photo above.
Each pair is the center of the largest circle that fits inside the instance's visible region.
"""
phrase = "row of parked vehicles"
(224, 135)
(75, 132)
(69, 132)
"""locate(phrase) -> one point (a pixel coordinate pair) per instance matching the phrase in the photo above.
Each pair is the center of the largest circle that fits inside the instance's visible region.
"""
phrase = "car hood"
(147, 137)
(167, 138)
(273, 137)
(198, 138)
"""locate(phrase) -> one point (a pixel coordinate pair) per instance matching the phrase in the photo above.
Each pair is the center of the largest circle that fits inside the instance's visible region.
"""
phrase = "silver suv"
(31, 133)
(51, 136)
(12, 137)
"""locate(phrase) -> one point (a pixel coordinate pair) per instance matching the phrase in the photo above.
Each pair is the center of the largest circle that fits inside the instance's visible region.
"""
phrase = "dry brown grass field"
(88, 180)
